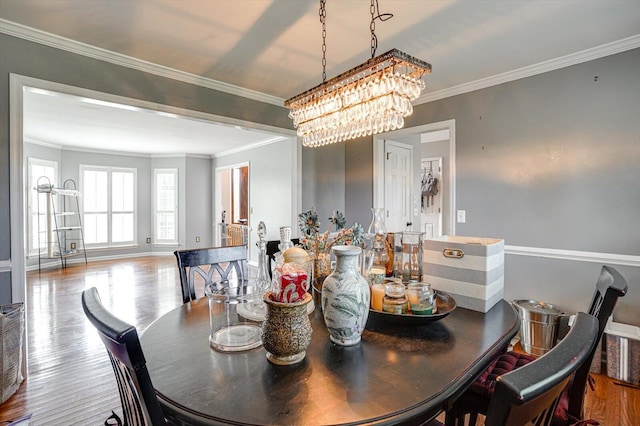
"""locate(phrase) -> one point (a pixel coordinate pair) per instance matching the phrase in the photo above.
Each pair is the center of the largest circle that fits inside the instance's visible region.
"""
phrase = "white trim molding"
(531, 70)
(52, 40)
(575, 255)
(58, 42)
(78, 260)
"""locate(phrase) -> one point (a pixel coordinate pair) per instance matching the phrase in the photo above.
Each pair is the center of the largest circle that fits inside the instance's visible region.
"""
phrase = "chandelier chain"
(375, 14)
(323, 20)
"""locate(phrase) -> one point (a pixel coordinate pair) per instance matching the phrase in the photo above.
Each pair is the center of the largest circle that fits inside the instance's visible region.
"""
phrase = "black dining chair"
(530, 394)
(211, 264)
(272, 249)
(475, 400)
(140, 404)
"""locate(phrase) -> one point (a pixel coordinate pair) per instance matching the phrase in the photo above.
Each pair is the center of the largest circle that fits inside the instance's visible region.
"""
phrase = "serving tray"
(444, 301)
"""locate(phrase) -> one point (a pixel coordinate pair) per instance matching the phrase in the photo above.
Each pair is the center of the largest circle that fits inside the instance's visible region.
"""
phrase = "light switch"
(462, 216)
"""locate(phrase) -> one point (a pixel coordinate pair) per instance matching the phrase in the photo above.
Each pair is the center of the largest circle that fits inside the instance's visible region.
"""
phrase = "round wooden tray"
(444, 301)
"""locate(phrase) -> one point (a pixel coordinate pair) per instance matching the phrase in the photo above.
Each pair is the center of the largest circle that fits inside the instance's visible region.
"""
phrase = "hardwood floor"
(70, 378)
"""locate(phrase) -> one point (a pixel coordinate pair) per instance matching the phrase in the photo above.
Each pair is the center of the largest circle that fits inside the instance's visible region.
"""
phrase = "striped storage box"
(471, 269)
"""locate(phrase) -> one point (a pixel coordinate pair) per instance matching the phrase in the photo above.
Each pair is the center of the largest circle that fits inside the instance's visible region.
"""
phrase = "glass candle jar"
(395, 300)
(421, 298)
(377, 294)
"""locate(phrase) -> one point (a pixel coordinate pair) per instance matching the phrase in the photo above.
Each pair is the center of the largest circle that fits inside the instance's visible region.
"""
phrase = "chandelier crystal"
(372, 98)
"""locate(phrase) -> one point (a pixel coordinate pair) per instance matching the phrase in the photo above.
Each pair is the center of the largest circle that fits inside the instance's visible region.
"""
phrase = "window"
(108, 205)
(39, 172)
(166, 206)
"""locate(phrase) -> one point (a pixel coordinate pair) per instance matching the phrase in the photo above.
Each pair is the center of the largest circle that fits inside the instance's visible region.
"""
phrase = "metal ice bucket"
(539, 323)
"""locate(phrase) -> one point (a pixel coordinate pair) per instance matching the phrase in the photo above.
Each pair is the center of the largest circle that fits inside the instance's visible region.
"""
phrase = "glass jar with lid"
(395, 300)
(421, 298)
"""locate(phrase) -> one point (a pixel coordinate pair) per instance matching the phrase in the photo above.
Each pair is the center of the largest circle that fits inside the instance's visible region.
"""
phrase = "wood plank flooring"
(70, 378)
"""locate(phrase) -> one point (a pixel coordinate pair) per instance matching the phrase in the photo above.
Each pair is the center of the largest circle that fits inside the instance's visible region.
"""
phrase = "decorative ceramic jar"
(345, 298)
(286, 331)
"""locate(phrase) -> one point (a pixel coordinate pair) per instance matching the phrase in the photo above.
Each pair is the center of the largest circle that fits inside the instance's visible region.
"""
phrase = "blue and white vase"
(345, 298)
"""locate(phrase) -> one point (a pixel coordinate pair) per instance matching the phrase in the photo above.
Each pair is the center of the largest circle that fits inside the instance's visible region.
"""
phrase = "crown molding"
(248, 147)
(42, 37)
(52, 40)
(608, 49)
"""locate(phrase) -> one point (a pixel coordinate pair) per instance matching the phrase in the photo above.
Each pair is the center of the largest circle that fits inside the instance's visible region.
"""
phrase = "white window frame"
(32, 210)
(156, 240)
(110, 170)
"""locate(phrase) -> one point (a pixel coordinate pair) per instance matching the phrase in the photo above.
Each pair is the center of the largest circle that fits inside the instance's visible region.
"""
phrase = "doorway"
(431, 197)
(232, 208)
(420, 137)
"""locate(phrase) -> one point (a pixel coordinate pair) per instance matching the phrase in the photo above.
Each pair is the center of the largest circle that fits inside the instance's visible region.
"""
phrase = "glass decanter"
(256, 309)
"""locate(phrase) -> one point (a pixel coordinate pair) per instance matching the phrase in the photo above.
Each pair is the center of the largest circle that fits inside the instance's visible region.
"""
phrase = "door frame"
(217, 211)
(378, 164)
(440, 221)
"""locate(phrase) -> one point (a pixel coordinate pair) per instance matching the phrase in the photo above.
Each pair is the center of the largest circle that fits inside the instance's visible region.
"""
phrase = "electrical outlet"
(148, 240)
(462, 216)
(197, 239)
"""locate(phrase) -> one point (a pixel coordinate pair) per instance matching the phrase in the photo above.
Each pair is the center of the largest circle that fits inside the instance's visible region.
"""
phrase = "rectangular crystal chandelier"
(372, 98)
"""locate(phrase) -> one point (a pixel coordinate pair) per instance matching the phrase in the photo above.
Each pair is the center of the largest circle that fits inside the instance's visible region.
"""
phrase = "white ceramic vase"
(345, 298)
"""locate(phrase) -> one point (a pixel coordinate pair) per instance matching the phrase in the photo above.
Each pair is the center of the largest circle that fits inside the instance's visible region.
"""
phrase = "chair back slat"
(210, 264)
(140, 404)
(530, 394)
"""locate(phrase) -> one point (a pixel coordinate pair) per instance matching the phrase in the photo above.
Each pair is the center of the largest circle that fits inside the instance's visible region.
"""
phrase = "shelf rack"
(63, 235)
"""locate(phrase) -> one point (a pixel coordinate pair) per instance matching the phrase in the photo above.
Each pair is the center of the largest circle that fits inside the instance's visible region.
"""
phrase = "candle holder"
(286, 331)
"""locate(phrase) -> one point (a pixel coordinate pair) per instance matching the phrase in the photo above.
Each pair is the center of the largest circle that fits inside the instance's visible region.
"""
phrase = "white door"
(397, 183)
(431, 197)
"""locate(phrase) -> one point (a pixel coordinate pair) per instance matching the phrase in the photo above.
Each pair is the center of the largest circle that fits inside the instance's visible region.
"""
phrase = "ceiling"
(273, 47)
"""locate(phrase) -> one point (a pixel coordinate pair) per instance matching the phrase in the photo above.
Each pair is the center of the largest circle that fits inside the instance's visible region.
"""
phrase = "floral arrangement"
(321, 242)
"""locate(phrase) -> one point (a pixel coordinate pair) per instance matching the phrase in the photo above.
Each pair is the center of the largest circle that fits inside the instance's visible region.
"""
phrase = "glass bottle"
(256, 309)
(395, 300)
(378, 234)
(263, 280)
(285, 243)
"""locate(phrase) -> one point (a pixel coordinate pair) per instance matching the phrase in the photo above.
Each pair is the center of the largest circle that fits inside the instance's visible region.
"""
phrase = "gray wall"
(43, 62)
(551, 161)
(323, 181)
(199, 216)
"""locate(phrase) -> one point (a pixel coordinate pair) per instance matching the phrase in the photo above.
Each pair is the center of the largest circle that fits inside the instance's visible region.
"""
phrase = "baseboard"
(80, 260)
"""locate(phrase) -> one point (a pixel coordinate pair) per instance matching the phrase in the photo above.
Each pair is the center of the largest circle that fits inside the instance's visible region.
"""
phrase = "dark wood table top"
(396, 374)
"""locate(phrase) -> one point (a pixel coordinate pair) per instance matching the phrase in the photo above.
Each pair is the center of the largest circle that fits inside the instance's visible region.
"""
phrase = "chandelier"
(372, 98)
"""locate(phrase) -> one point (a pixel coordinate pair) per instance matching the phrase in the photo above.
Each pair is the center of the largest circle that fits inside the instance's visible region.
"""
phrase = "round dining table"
(398, 373)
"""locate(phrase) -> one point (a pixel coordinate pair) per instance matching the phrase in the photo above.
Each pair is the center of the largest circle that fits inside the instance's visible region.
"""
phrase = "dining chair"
(610, 286)
(210, 264)
(140, 404)
(529, 395)
(272, 249)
